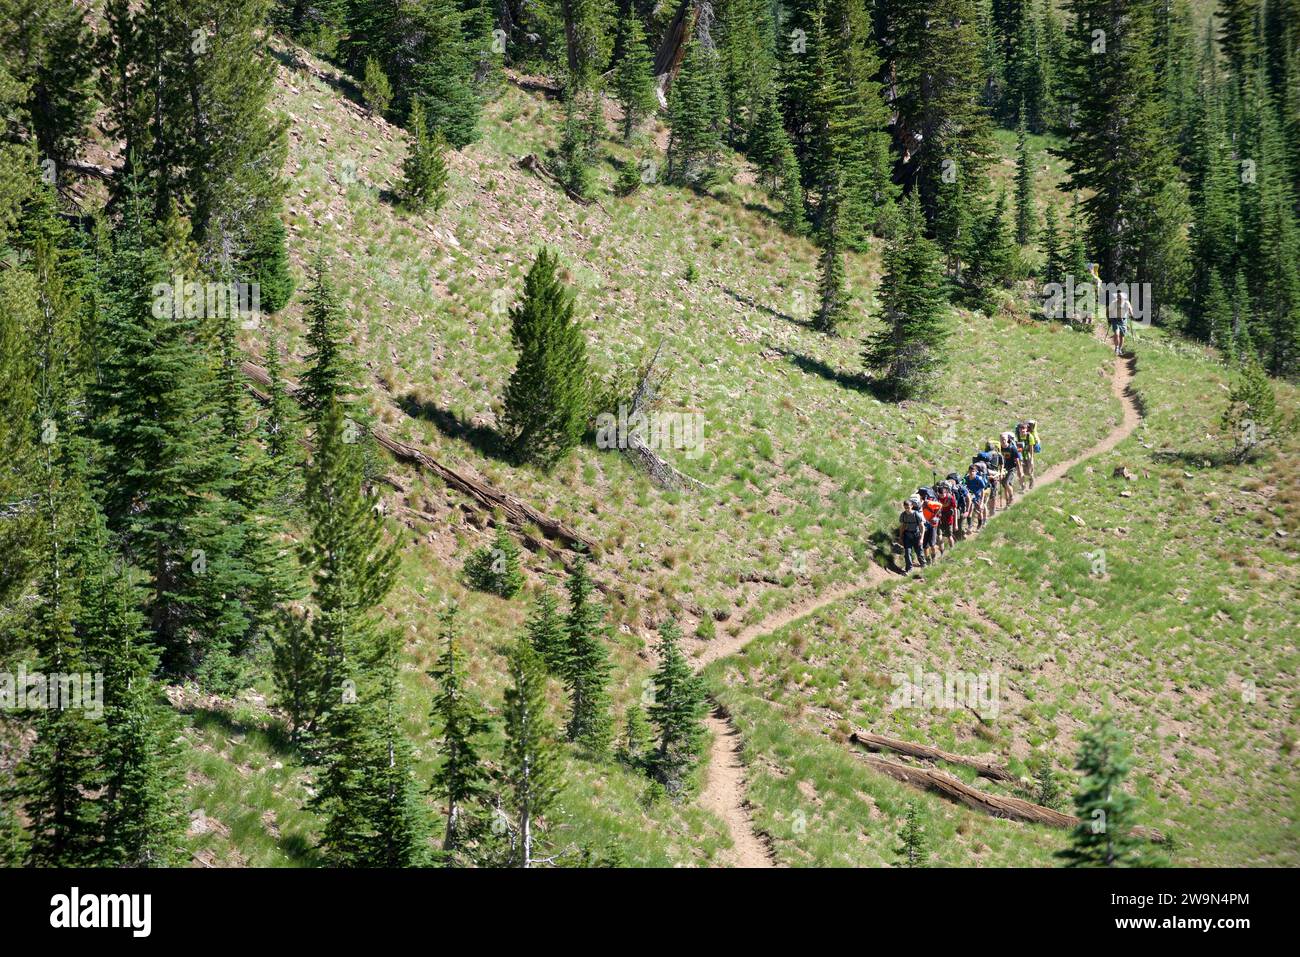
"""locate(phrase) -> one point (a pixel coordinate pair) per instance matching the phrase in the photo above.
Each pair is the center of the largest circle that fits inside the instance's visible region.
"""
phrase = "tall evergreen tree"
(545, 629)
(909, 349)
(461, 778)
(531, 762)
(695, 118)
(833, 311)
(424, 171)
(1026, 218)
(586, 663)
(546, 400)
(634, 82)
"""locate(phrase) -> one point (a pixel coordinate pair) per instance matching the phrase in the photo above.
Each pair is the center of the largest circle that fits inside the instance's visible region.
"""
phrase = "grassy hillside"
(802, 465)
(1186, 634)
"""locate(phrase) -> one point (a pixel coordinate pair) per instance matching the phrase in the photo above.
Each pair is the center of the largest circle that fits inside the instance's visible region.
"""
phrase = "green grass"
(802, 466)
(1182, 638)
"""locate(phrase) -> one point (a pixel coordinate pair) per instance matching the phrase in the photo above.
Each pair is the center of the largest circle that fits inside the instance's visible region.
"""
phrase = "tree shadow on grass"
(342, 82)
(484, 439)
(752, 303)
(856, 381)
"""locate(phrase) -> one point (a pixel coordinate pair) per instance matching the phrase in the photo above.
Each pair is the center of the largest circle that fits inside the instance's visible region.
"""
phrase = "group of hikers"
(940, 515)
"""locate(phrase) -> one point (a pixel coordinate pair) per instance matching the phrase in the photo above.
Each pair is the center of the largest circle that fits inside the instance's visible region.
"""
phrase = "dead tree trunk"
(996, 805)
(984, 768)
(634, 445)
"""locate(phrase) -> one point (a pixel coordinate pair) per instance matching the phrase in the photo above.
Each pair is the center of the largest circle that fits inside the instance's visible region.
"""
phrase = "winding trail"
(724, 788)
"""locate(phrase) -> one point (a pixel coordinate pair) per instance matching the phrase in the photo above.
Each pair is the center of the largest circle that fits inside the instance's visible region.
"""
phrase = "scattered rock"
(1078, 521)
(1121, 471)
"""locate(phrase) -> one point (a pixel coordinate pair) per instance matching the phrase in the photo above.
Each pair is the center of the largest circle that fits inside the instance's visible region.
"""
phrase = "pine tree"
(191, 104)
(747, 61)
(495, 568)
(144, 820)
(461, 778)
(268, 259)
(677, 712)
(953, 221)
(424, 171)
(586, 663)
(1217, 317)
(1026, 219)
(546, 400)
(694, 118)
(768, 144)
(163, 476)
(376, 91)
(634, 82)
(333, 370)
(637, 737)
(1103, 836)
(907, 352)
(1054, 264)
(531, 762)
(991, 257)
(833, 311)
(934, 59)
(545, 629)
(50, 48)
(913, 849)
(1047, 791)
(1119, 150)
(580, 143)
(793, 218)
(1251, 417)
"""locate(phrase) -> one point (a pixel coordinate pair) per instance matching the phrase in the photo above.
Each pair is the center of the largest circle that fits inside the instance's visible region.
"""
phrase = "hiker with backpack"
(1010, 466)
(1118, 312)
(930, 509)
(1028, 449)
(976, 486)
(911, 533)
(993, 463)
(963, 504)
(947, 514)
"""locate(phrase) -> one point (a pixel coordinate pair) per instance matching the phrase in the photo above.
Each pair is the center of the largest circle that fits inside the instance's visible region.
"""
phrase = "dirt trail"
(724, 790)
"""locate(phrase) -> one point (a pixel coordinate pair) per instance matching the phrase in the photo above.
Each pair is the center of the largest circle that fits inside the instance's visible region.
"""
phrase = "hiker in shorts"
(911, 531)
(1027, 440)
(1118, 313)
(1010, 466)
(930, 509)
(947, 515)
(976, 485)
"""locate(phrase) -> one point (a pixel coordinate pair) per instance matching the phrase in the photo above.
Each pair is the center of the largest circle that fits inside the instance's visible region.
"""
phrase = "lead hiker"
(911, 533)
(1118, 313)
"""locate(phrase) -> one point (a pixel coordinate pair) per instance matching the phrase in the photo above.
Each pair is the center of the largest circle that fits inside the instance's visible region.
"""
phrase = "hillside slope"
(802, 465)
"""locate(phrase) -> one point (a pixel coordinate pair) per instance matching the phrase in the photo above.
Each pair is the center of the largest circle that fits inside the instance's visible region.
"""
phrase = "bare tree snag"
(983, 767)
(995, 805)
(490, 499)
(634, 446)
(692, 17)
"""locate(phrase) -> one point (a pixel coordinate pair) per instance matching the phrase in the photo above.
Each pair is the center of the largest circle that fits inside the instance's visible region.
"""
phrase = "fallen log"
(983, 767)
(489, 498)
(995, 805)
